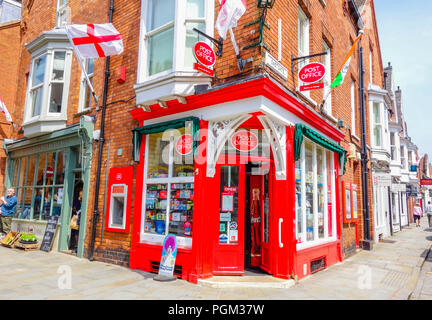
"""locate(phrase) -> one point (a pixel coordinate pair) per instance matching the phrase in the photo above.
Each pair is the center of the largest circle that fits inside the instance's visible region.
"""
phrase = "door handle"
(280, 233)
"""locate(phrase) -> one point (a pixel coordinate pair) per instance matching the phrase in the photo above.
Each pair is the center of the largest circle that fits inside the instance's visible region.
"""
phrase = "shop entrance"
(244, 217)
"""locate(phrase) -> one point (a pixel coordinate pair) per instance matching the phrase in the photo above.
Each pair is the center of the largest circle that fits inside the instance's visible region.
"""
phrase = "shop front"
(50, 175)
(245, 181)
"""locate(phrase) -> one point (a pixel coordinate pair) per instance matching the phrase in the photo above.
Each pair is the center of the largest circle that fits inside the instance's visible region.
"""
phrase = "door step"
(246, 282)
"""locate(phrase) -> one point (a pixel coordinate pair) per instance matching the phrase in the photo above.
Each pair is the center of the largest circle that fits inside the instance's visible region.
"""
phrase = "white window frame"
(302, 42)
(302, 236)
(393, 146)
(327, 78)
(179, 24)
(353, 108)
(45, 114)
(377, 124)
(403, 157)
(185, 242)
(61, 11)
(111, 213)
(84, 88)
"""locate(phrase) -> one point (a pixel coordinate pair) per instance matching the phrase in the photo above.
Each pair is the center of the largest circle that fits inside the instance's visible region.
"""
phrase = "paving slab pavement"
(390, 271)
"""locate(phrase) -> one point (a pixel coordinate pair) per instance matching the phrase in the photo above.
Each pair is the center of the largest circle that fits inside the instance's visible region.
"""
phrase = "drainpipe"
(101, 144)
(390, 210)
(364, 158)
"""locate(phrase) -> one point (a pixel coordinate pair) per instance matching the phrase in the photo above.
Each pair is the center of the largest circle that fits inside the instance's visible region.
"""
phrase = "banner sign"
(313, 86)
(169, 254)
(426, 182)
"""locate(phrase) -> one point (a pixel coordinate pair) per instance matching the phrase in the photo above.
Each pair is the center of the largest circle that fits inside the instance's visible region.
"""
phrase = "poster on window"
(348, 203)
(227, 202)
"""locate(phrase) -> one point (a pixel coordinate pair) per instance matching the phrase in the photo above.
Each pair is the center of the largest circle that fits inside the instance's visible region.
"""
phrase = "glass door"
(229, 255)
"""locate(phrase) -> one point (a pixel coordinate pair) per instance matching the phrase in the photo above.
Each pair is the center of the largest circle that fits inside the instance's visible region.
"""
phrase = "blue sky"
(405, 30)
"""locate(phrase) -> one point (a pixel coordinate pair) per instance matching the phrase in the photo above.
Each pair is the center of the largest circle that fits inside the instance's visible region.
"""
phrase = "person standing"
(8, 207)
(429, 213)
(417, 214)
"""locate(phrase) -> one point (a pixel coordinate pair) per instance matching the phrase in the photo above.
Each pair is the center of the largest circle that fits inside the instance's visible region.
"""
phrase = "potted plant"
(28, 238)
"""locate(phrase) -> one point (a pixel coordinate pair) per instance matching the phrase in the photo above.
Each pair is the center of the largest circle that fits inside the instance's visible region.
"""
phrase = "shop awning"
(161, 127)
(303, 130)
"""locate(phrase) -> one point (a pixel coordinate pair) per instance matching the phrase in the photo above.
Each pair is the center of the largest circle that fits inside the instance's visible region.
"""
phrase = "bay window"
(377, 124)
(167, 39)
(315, 195)
(169, 186)
(48, 83)
(85, 97)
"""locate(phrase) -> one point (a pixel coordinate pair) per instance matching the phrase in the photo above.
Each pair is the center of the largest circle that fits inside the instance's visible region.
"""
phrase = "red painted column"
(283, 207)
(136, 221)
(338, 205)
(203, 235)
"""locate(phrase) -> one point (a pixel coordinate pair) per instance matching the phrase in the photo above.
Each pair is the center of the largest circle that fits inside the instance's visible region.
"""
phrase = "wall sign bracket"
(218, 43)
(295, 61)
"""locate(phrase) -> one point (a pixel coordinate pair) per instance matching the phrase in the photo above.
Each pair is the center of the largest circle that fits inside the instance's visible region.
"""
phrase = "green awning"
(161, 127)
(303, 130)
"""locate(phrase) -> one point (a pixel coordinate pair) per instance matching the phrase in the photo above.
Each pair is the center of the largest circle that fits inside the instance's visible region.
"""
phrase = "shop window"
(315, 195)
(169, 186)
(39, 185)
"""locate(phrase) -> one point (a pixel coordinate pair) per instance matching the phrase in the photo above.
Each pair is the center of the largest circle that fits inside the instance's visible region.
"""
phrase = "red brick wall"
(9, 58)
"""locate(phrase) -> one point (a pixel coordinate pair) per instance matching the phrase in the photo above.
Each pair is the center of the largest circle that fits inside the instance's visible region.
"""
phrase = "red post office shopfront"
(245, 176)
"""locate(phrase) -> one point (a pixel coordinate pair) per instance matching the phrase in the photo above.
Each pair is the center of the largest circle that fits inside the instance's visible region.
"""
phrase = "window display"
(315, 194)
(169, 185)
(39, 183)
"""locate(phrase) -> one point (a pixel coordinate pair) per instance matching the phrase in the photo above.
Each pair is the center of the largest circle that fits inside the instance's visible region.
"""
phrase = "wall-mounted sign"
(244, 141)
(426, 182)
(205, 56)
(276, 66)
(312, 72)
(184, 144)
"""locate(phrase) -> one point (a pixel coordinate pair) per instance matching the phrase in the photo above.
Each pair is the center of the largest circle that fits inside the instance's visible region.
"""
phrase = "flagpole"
(80, 60)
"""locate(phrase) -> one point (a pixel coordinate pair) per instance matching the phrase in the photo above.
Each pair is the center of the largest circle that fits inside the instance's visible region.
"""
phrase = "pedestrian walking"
(428, 211)
(417, 214)
(8, 207)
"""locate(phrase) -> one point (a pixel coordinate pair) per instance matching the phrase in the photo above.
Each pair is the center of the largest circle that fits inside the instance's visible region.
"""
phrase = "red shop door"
(229, 251)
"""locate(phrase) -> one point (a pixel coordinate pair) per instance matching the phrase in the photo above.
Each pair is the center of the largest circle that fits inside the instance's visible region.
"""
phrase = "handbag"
(73, 223)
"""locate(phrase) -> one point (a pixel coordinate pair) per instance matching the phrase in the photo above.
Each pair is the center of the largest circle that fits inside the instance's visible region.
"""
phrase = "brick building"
(266, 187)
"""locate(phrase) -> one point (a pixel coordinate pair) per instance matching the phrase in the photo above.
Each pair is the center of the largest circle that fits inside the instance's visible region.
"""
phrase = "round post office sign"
(184, 144)
(244, 141)
(312, 72)
(204, 54)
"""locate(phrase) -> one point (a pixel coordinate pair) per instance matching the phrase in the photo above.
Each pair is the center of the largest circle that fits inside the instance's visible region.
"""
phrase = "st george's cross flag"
(95, 40)
(229, 13)
(5, 111)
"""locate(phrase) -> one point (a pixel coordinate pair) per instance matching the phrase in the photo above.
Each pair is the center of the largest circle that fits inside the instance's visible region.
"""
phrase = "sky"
(405, 31)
